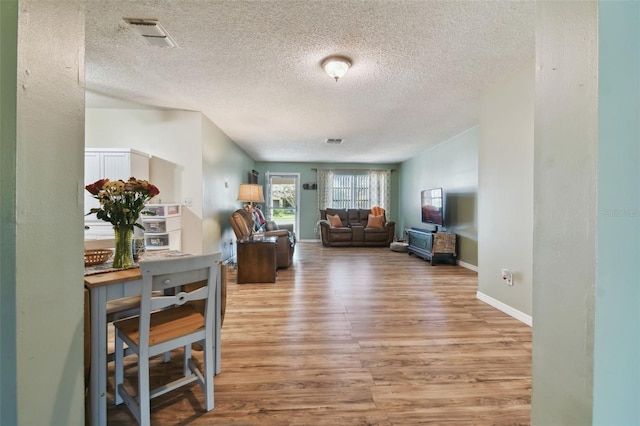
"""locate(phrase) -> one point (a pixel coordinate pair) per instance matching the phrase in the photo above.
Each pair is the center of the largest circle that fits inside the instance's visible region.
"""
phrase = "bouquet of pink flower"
(121, 202)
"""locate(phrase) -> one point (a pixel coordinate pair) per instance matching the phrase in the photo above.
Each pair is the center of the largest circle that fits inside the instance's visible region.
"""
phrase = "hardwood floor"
(358, 336)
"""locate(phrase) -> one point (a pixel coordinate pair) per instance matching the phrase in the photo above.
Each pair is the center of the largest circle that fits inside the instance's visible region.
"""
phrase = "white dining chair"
(167, 322)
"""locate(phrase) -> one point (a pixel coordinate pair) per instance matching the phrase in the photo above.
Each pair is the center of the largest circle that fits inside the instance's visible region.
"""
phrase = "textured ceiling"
(253, 68)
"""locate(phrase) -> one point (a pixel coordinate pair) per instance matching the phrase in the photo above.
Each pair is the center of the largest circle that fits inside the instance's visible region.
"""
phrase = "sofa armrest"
(276, 233)
(324, 231)
(281, 233)
(391, 226)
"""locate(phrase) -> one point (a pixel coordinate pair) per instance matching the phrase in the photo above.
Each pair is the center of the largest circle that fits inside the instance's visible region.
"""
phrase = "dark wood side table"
(257, 260)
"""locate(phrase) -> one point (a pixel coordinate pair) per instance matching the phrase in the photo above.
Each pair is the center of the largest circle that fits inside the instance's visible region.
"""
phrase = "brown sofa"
(354, 231)
(242, 224)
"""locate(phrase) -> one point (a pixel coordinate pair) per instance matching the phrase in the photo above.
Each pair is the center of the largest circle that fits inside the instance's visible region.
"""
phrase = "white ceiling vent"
(152, 32)
(334, 141)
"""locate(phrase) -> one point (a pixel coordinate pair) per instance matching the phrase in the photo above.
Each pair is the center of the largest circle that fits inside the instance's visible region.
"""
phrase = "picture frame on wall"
(253, 176)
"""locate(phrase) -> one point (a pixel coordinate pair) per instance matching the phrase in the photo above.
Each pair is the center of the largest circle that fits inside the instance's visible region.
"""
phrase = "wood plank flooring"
(357, 336)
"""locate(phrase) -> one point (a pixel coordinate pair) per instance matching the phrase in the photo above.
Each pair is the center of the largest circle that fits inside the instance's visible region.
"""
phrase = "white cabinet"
(112, 164)
(162, 230)
(98, 230)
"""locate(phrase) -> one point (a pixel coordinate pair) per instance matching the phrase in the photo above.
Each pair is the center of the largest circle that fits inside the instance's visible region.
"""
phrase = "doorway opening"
(283, 199)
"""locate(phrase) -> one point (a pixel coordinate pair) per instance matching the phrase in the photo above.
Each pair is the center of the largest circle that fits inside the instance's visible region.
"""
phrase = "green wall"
(617, 336)
(48, 171)
(309, 213)
(8, 86)
(224, 167)
(505, 192)
(452, 165)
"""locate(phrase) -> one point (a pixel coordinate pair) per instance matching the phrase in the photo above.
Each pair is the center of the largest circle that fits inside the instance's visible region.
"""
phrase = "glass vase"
(123, 257)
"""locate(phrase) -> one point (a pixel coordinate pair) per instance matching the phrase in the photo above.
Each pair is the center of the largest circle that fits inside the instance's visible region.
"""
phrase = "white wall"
(49, 202)
(505, 193)
(173, 139)
(565, 196)
(191, 158)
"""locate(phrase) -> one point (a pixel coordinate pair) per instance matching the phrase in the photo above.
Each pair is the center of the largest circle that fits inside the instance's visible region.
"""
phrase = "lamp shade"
(250, 192)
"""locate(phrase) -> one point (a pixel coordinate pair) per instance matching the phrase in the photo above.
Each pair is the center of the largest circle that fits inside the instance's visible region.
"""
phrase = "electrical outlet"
(507, 276)
(187, 202)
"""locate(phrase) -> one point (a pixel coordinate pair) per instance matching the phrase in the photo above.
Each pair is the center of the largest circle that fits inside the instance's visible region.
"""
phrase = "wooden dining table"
(104, 287)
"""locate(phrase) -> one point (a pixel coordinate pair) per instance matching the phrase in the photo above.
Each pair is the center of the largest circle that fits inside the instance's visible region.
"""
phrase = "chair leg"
(186, 370)
(209, 373)
(144, 391)
(119, 359)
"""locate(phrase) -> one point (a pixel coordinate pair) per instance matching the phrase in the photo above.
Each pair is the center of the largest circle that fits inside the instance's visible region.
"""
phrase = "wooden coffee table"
(257, 260)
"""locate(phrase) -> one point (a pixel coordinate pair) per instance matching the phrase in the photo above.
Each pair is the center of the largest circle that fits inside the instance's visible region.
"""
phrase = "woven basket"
(96, 257)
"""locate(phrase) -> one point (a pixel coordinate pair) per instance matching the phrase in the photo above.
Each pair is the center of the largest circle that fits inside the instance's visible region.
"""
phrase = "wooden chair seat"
(165, 325)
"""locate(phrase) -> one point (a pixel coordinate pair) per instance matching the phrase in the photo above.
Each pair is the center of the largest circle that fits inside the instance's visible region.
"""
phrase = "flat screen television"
(432, 206)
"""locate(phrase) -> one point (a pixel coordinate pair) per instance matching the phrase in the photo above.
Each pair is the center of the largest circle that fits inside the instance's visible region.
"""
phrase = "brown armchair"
(242, 224)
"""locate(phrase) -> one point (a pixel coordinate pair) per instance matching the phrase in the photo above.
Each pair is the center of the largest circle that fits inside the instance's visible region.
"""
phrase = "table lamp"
(251, 193)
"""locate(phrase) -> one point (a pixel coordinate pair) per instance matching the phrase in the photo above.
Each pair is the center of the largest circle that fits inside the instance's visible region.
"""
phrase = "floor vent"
(334, 141)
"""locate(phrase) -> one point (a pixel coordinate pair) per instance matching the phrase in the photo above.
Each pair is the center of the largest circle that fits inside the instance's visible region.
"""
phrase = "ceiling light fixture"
(336, 66)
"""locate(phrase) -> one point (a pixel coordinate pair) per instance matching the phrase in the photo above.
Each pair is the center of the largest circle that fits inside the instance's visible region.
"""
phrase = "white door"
(283, 199)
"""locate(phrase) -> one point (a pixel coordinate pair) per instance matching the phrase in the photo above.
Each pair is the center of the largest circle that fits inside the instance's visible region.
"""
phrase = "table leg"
(218, 320)
(98, 382)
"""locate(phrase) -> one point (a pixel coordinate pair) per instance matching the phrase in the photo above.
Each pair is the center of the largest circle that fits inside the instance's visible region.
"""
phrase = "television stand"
(432, 245)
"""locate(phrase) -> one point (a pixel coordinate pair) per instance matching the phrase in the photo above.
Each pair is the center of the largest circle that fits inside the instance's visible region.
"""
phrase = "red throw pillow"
(375, 221)
(334, 221)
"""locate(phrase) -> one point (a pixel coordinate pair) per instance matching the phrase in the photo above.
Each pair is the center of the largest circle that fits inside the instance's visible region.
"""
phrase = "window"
(354, 189)
(351, 191)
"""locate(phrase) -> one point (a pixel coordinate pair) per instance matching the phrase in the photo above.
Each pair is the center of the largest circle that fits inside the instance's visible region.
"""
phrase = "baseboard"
(520, 316)
(468, 266)
(309, 240)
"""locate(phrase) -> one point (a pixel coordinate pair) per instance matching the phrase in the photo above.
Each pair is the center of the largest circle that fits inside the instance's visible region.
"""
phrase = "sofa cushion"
(271, 226)
(379, 235)
(340, 236)
(334, 221)
(354, 218)
(363, 214)
(375, 221)
(341, 213)
(358, 216)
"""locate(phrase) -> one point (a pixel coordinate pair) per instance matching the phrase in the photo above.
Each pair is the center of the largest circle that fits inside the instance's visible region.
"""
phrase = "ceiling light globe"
(336, 67)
